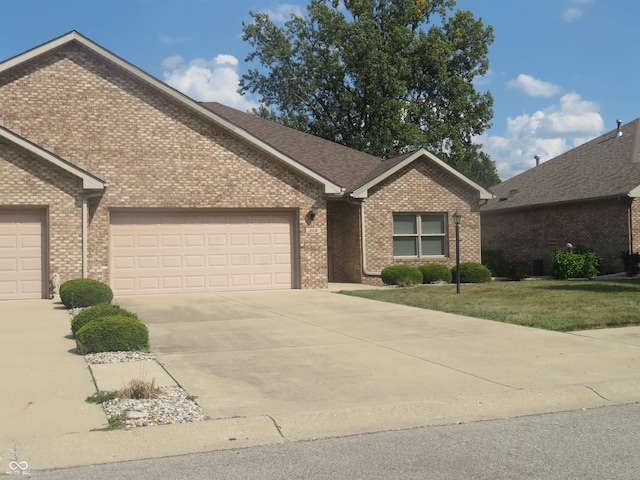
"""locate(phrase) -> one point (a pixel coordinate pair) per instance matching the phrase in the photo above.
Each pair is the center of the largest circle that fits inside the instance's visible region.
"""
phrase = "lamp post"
(456, 218)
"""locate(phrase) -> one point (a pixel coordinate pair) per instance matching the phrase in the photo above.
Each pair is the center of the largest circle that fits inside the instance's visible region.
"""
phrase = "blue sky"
(562, 71)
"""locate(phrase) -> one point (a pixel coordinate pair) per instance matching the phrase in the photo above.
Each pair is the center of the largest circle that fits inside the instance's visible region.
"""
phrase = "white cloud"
(548, 133)
(534, 87)
(168, 40)
(282, 12)
(207, 80)
(571, 14)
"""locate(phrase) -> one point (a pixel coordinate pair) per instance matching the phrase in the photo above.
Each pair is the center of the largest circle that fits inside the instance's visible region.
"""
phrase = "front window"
(419, 235)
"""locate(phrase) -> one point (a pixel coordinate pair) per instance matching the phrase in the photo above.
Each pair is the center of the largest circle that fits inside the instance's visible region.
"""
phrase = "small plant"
(102, 396)
(117, 421)
(139, 389)
(516, 267)
(575, 262)
(84, 292)
(112, 334)
(95, 312)
(435, 272)
(631, 263)
(472, 272)
(401, 275)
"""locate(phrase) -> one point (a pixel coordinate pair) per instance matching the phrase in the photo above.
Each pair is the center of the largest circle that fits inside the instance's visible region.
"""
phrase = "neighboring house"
(108, 173)
(587, 196)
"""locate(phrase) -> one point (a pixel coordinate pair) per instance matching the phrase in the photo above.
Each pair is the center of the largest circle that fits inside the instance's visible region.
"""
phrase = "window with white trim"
(419, 235)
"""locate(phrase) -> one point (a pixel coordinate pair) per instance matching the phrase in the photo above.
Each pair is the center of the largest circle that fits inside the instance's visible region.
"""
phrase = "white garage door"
(20, 255)
(188, 252)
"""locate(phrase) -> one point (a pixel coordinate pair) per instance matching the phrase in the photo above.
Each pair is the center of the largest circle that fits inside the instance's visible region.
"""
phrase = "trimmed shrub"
(631, 263)
(575, 262)
(494, 260)
(472, 272)
(84, 292)
(434, 272)
(97, 311)
(516, 267)
(113, 334)
(401, 275)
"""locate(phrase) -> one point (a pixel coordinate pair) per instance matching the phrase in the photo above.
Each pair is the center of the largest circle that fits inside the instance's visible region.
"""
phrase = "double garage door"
(195, 252)
(21, 254)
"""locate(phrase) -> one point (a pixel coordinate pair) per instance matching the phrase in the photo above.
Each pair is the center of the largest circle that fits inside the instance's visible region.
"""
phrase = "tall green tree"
(380, 76)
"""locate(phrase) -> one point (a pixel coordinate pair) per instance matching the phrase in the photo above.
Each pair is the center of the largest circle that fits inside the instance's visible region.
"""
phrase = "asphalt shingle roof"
(607, 166)
(342, 165)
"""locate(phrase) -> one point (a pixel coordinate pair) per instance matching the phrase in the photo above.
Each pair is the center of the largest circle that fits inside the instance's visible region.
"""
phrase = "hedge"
(96, 312)
(401, 275)
(472, 272)
(84, 292)
(434, 272)
(113, 334)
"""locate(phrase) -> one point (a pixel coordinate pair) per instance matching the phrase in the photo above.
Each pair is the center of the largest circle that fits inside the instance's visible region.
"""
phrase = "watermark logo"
(18, 468)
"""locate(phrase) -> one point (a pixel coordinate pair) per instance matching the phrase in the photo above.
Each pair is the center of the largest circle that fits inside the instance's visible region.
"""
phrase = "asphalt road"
(602, 443)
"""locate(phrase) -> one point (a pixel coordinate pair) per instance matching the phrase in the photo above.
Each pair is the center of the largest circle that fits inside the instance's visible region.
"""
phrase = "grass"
(549, 304)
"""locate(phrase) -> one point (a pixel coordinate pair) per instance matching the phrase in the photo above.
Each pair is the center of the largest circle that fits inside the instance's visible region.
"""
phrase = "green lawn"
(550, 304)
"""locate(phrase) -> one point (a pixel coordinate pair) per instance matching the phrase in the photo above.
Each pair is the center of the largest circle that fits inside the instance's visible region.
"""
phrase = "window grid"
(419, 235)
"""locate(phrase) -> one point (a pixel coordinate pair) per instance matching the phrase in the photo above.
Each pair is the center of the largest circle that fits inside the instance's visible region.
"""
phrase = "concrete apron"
(271, 367)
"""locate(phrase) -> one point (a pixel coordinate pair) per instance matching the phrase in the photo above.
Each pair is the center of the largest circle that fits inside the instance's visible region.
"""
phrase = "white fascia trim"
(635, 193)
(89, 182)
(329, 187)
(363, 191)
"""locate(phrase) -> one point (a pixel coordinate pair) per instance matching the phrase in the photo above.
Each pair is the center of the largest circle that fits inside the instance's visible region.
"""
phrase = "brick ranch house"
(587, 196)
(108, 173)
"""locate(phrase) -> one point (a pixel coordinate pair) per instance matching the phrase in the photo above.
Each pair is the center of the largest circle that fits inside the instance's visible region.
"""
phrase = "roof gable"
(607, 166)
(329, 186)
(89, 181)
(391, 166)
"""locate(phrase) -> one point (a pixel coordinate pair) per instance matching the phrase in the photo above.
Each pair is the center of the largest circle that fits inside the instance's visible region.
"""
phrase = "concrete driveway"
(308, 358)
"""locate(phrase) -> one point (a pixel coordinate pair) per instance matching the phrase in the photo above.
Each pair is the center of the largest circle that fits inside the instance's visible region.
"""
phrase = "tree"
(380, 76)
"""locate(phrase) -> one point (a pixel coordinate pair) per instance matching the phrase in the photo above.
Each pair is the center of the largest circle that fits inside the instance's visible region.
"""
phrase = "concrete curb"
(98, 447)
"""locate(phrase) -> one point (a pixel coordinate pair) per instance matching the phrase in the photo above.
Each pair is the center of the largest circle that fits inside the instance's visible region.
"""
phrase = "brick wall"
(345, 242)
(152, 152)
(25, 181)
(538, 233)
(421, 188)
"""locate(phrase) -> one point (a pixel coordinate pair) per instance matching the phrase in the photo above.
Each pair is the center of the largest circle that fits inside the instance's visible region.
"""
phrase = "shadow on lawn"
(624, 286)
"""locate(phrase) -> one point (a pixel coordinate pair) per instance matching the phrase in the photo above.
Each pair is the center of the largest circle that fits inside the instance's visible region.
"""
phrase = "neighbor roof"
(605, 167)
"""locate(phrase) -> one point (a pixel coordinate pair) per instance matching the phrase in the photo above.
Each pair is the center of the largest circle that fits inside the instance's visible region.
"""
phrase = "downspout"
(85, 228)
(629, 226)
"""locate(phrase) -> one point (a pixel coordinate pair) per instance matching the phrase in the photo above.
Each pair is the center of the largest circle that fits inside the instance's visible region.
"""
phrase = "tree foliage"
(380, 76)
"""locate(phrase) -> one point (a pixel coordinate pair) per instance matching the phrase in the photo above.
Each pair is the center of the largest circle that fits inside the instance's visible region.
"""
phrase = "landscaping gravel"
(171, 405)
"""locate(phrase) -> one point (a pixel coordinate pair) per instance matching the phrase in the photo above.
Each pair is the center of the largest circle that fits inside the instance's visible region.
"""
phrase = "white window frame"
(418, 235)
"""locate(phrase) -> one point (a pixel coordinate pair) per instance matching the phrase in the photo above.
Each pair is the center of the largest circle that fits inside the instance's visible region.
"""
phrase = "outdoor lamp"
(314, 210)
(456, 219)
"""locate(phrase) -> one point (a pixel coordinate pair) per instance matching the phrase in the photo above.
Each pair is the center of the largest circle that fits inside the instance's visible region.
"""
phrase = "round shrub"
(575, 262)
(517, 267)
(84, 292)
(434, 272)
(472, 272)
(401, 275)
(97, 311)
(113, 334)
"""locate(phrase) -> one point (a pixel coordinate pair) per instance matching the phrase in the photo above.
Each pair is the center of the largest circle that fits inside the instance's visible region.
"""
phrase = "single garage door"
(21, 255)
(189, 252)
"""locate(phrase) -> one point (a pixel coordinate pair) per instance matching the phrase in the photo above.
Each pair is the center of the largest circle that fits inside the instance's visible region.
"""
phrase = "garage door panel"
(201, 252)
(21, 255)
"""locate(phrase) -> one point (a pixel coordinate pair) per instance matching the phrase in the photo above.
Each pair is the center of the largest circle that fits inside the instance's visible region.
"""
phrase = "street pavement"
(287, 366)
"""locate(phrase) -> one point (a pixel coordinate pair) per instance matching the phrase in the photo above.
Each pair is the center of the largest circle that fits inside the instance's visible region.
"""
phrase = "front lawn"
(550, 304)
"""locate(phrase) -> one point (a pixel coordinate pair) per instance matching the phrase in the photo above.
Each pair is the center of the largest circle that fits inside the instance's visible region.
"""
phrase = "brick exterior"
(152, 152)
(418, 188)
(538, 233)
(155, 152)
